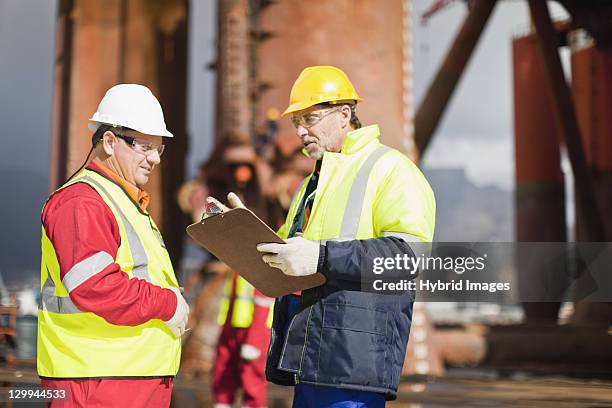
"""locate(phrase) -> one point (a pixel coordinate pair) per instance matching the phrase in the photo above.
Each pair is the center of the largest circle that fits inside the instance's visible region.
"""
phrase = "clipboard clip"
(211, 210)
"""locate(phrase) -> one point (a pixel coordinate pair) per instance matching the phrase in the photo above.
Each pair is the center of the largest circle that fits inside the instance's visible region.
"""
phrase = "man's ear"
(345, 111)
(108, 142)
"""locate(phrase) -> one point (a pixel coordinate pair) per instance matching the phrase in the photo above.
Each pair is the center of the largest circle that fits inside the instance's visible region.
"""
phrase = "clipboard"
(232, 237)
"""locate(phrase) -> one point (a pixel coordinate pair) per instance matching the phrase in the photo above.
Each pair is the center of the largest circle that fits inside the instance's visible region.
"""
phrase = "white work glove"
(178, 321)
(232, 199)
(249, 353)
(298, 257)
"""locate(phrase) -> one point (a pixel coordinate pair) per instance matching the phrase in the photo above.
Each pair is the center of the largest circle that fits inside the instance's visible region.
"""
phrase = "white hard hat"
(132, 106)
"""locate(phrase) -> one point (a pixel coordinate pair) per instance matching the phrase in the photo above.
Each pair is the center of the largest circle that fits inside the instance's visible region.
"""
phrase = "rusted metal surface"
(155, 54)
(503, 392)
(115, 41)
(61, 94)
(362, 38)
(93, 69)
(592, 93)
(172, 58)
(565, 115)
(233, 68)
(436, 99)
(540, 193)
(561, 349)
(460, 348)
(537, 135)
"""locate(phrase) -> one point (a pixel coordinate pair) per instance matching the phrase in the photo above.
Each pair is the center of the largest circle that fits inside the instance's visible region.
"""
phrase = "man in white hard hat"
(111, 314)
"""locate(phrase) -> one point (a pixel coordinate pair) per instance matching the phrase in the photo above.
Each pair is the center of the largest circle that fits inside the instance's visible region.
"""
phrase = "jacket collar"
(357, 139)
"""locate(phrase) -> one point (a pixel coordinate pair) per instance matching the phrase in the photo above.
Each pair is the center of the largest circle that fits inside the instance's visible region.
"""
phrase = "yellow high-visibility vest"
(77, 344)
(244, 303)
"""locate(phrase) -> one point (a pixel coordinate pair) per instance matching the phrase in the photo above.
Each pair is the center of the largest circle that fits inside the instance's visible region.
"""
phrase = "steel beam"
(540, 193)
(442, 87)
(61, 95)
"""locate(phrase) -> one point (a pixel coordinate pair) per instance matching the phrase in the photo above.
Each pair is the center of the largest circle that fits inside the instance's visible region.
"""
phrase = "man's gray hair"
(355, 122)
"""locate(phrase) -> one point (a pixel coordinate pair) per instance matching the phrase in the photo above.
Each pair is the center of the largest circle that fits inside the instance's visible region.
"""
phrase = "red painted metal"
(540, 197)
(537, 135)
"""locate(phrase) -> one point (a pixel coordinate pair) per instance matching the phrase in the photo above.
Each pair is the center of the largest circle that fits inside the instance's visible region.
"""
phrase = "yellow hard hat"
(320, 84)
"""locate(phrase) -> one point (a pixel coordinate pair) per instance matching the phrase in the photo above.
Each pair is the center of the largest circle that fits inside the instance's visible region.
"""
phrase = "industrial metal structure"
(262, 47)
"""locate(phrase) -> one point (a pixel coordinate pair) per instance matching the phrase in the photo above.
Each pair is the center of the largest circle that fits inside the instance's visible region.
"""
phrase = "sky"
(26, 62)
(202, 51)
(475, 134)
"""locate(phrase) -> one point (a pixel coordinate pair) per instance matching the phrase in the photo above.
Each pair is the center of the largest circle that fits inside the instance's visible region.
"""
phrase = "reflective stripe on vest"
(85, 269)
(78, 344)
(55, 304)
(138, 253)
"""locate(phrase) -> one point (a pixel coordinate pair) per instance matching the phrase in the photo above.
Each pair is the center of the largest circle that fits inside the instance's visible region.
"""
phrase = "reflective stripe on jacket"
(371, 201)
(77, 344)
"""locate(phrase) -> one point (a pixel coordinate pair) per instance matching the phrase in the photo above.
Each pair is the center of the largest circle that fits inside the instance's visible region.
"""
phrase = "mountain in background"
(467, 212)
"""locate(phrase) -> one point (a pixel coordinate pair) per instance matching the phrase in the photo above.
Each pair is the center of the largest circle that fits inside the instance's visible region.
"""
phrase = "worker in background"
(338, 344)
(245, 314)
(111, 314)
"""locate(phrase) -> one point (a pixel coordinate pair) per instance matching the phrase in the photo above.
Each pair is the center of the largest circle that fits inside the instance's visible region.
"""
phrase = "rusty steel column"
(436, 99)
(540, 193)
(592, 92)
(94, 49)
(233, 68)
(134, 41)
(587, 205)
(61, 94)
(172, 58)
(363, 38)
(155, 54)
(139, 52)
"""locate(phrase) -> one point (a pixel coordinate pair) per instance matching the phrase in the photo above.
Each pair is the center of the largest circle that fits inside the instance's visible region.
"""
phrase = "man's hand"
(178, 321)
(232, 199)
(298, 257)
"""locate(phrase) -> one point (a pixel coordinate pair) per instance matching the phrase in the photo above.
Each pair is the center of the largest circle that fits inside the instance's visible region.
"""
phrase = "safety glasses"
(308, 120)
(140, 146)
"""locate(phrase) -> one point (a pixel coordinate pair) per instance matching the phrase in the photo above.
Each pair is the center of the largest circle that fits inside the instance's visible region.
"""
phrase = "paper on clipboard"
(232, 237)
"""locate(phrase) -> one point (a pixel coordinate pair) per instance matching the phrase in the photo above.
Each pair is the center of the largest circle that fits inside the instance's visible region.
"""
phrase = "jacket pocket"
(353, 347)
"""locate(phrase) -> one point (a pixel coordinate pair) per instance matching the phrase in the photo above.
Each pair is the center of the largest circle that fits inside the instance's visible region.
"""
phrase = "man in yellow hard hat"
(343, 344)
(111, 314)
